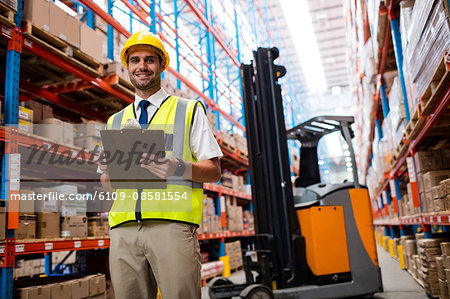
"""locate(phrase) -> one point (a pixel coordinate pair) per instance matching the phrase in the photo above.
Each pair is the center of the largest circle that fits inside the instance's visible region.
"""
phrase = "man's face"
(144, 69)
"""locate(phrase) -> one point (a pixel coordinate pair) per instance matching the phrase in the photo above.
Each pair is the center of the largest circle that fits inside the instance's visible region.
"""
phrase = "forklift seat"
(304, 198)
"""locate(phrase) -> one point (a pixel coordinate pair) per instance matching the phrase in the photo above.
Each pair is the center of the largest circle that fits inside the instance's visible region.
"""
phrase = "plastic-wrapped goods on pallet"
(429, 39)
(396, 104)
(376, 21)
(211, 269)
(406, 9)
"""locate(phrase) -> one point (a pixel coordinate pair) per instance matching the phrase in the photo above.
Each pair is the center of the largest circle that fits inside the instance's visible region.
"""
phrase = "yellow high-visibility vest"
(182, 199)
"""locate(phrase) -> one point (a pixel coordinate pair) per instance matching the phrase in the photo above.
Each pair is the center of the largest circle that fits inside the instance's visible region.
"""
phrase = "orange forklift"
(312, 240)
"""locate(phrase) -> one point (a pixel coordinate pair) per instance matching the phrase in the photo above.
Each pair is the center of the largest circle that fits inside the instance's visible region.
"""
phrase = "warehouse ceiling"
(329, 25)
(328, 22)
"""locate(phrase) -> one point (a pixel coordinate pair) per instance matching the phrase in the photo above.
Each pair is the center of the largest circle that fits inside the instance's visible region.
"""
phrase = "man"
(154, 242)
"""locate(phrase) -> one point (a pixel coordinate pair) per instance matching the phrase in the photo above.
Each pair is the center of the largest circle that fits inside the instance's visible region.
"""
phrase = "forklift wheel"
(257, 291)
(219, 281)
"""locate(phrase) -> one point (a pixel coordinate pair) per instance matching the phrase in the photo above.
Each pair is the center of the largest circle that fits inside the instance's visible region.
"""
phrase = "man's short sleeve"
(203, 144)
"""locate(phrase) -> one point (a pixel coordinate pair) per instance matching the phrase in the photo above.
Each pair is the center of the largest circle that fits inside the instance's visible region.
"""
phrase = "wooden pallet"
(227, 146)
(61, 47)
(415, 124)
(437, 84)
(122, 84)
(400, 150)
(6, 15)
(243, 156)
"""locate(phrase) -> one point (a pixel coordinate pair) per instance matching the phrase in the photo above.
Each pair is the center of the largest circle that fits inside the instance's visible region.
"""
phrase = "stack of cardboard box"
(48, 17)
(234, 251)
(98, 227)
(29, 267)
(241, 143)
(88, 135)
(443, 264)
(211, 222)
(432, 167)
(409, 250)
(234, 215)
(92, 286)
(55, 130)
(249, 220)
(428, 250)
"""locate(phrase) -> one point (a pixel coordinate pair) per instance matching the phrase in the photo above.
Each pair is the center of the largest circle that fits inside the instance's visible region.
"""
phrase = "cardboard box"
(26, 203)
(67, 133)
(80, 288)
(445, 186)
(2, 219)
(98, 226)
(61, 290)
(87, 44)
(36, 107)
(433, 178)
(428, 160)
(445, 153)
(25, 114)
(47, 111)
(57, 21)
(25, 126)
(27, 227)
(38, 12)
(51, 128)
(88, 129)
(73, 31)
(74, 226)
(97, 284)
(47, 225)
(88, 143)
(35, 292)
(116, 68)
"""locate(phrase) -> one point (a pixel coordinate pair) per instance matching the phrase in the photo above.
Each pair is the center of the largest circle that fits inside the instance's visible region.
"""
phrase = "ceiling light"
(348, 159)
(320, 162)
(336, 91)
(348, 164)
(349, 169)
(326, 171)
(345, 146)
(347, 153)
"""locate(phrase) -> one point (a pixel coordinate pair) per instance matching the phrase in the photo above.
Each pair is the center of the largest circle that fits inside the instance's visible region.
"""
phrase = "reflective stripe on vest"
(175, 117)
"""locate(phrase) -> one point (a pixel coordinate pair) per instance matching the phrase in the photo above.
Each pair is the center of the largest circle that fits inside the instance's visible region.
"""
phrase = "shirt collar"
(155, 99)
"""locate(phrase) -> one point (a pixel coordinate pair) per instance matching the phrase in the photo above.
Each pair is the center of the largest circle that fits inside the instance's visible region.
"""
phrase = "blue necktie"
(143, 118)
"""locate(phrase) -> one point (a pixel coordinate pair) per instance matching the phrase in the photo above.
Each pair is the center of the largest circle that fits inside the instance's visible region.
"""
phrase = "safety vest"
(182, 199)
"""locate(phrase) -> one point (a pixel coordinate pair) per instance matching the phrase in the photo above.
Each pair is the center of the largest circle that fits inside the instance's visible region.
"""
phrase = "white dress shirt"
(203, 144)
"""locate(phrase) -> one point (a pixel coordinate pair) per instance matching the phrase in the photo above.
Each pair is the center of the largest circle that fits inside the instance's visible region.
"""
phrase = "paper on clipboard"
(123, 150)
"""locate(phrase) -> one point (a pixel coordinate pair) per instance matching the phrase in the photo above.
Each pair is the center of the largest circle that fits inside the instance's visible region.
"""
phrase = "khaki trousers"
(154, 254)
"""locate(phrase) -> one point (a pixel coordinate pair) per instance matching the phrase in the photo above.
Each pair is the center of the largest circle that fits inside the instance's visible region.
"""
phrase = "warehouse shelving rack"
(388, 190)
(216, 61)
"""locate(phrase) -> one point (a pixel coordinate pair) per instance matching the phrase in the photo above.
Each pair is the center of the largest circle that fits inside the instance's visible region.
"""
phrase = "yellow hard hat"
(144, 38)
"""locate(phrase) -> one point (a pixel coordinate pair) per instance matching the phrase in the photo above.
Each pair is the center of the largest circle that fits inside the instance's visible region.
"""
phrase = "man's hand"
(163, 167)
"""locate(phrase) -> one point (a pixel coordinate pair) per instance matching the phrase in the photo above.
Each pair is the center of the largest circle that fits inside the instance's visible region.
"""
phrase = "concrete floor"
(398, 284)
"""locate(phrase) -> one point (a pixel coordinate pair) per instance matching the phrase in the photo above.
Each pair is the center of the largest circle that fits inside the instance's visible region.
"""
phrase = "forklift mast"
(277, 228)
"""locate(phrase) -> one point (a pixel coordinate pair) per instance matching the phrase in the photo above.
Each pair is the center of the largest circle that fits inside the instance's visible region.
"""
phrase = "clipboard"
(125, 148)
